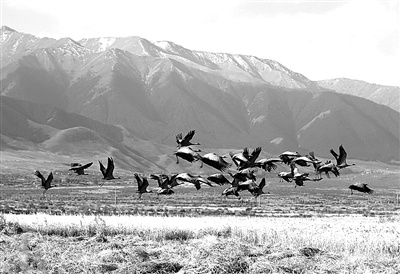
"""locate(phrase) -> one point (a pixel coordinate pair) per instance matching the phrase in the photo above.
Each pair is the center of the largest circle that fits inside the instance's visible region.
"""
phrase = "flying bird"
(245, 159)
(298, 177)
(328, 167)
(316, 163)
(80, 169)
(108, 173)
(288, 156)
(254, 188)
(341, 158)
(303, 161)
(268, 164)
(142, 183)
(284, 175)
(362, 187)
(232, 190)
(165, 184)
(187, 154)
(218, 179)
(240, 158)
(242, 176)
(196, 180)
(46, 183)
(215, 161)
(186, 141)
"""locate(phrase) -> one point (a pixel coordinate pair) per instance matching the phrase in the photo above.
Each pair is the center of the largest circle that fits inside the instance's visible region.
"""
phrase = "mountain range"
(151, 91)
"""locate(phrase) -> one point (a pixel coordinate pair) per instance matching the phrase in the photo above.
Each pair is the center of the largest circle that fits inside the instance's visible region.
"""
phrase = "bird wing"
(76, 168)
(139, 181)
(335, 155)
(87, 165)
(49, 179)
(342, 155)
(218, 179)
(188, 136)
(246, 153)
(164, 184)
(254, 155)
(214, 161)
(110, 167)
(102, 169)
(368, 190)
(211, 156)
(145, 184)
(262, 184)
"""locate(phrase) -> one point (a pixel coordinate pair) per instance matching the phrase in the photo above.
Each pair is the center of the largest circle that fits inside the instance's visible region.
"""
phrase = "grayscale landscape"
(122, 102)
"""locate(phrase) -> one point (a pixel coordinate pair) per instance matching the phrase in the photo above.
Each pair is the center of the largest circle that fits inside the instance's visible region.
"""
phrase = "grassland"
(149, 244)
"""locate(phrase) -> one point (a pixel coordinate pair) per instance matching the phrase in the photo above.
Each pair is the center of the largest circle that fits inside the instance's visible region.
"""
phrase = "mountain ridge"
(385, 95)
(232, 101)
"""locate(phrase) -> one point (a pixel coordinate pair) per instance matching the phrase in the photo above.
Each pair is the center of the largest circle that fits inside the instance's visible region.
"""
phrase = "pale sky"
(357, 39)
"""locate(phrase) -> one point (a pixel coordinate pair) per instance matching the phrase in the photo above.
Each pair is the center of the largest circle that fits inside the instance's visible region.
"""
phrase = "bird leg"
(327, 174)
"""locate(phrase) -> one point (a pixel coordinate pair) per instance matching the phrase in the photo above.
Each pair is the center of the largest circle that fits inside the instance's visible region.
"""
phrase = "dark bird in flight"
(341, 158)
(316, 162)
(242, 176)
(215, 161)
(298, 177)
(46, 183)
(187, 154)
(284, 175)
(196, 180)
(142, 183)
(232, 190)
(186, 141)
(288, 156)
(362, 187)
(254, 188)
(245, 159)
(108, 173)
(240, 158)
(302, 161)
(268, 164)
(165, 183)
(218, 179)
(328, 167)
(80, 169)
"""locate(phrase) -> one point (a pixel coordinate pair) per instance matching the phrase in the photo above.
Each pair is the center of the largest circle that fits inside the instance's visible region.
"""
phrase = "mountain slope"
(384, 95)
(26, 125)
(155, 90)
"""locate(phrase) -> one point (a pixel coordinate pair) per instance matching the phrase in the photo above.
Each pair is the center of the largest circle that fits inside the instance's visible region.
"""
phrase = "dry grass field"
(150, 244)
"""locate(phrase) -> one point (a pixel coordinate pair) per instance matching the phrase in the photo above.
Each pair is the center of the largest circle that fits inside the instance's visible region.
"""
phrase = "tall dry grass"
(360, 236)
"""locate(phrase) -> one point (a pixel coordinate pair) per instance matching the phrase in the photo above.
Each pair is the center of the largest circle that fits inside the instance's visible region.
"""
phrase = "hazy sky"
(319, 39)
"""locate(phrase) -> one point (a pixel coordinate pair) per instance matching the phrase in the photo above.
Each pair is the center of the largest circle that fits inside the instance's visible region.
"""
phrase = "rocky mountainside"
(384, 95)
(157, 89)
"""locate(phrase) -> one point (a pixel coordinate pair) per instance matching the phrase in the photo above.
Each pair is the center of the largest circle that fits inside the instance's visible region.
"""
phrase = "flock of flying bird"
(242, 177)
